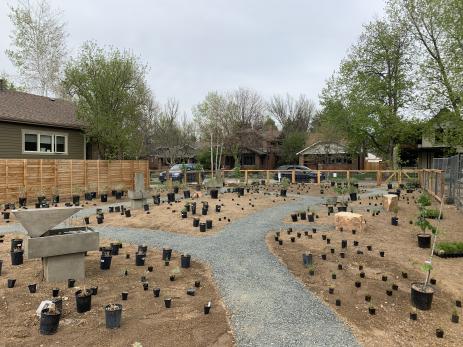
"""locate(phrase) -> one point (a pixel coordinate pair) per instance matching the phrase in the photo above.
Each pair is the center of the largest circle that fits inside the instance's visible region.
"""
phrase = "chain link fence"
(453, 167)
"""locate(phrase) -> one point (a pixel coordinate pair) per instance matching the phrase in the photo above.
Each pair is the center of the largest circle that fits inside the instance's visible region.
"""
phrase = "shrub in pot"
(49, 320)
(394, 218)
(113, 315)
(17, 256)
(83, 300)
(284, 186)
(424, 239)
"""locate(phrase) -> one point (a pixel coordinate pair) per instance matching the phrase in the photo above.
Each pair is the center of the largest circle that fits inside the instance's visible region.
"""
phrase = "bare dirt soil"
(167, 217)
(144, 318)
(391, 326)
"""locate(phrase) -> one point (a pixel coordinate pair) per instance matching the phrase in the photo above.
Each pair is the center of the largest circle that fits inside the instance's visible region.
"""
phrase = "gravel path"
(268, 306)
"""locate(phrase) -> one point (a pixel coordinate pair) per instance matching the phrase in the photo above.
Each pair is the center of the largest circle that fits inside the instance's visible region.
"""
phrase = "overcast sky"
(196, 46)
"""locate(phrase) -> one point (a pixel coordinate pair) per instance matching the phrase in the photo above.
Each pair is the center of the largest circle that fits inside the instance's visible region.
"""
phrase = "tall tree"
(365, 100)
(170, 134)
(112, 99)
(294, 115)
(38, 45)
(437, 28)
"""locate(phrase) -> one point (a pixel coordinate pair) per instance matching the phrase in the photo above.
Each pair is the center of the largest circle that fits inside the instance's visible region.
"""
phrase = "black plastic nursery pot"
(157, 199)
(185, 260)
(353, 196)
(394, 221)
(83, 301)
(22, 202)
(115, 248)
(87, 220)
(283, 192)
(193, 208)
(207, 308)
(49, 321)
(218, 208)
(204, 211)
(421, 296)
(424, 240)
(94, 290)
(184, 214)
(71, 282)
(342, 208)
(140, 259)
(32, 288)
(113, 315)
(202, 227)
(166, 254)
(125, 295)
(439, 333)
(208, 223)
(294, 217)
(303, 215)
(88, 196)
(117, 209)
(118, 195)
(214, 193)
(142, 248)
(17, 257)
(168, 302)
(175, 190)
(127, 213)
(76, 199)
(105, 262)
(104, 197)
(170, 197)
(11, 282)
(156, 292)
(311, 217)
(186, 194)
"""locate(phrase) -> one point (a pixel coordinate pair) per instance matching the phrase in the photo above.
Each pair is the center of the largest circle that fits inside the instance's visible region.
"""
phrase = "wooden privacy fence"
(432, 181)
(66, 177)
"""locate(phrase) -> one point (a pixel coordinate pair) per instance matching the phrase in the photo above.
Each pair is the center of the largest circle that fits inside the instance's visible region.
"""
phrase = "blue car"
(177, 171)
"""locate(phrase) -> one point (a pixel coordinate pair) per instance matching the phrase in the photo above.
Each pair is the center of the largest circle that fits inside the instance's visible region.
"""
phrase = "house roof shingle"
(19, 107)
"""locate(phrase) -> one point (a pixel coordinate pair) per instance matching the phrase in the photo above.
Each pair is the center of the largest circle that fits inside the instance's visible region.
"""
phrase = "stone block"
(62, 267)
(349, 221)
(390, 201)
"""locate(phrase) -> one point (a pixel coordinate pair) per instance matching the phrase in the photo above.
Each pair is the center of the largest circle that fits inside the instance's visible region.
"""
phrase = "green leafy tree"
(112, 99)
(363, 102)
(292, 143)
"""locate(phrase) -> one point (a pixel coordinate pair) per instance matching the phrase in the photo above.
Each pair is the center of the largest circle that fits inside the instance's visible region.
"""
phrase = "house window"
(30, 142)
(44, 142)
(248, 159)
(60, 144)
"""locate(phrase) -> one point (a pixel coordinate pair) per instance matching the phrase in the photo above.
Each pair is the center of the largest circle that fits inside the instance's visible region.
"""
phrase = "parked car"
(302, 173)
(177, 170)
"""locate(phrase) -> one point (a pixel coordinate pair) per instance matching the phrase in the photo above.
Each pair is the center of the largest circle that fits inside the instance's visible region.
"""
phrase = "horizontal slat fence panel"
(66, 177)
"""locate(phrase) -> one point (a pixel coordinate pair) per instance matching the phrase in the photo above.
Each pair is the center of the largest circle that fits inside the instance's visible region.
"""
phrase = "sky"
(196, 46)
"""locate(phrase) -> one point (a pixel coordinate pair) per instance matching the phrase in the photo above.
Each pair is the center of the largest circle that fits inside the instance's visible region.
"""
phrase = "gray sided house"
(37, 127)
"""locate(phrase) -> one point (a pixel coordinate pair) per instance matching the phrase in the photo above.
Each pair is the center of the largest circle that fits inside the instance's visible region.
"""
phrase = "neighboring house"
(37, 127)
(432, 143)
(161, 157)
(262, 154)
(325, 155)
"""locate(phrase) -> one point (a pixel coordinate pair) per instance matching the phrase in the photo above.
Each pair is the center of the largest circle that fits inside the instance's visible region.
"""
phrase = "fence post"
(268, 177)
(348, 175)
(293, 176)
(442, 184)
(318, 177)
(378, 178)
(400, 176)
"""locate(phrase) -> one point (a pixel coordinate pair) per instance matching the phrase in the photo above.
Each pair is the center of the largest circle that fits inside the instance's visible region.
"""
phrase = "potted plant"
(455, 317)
(83, 300)
(119, 190)
(113, 314)
(424, 239)
(176, 185)
(76, 195)
(49, 320)
(394, 218)
(104, 194)
(342, 190)
(184, 213)
(353, 191)
(284, 186)
(22, 196)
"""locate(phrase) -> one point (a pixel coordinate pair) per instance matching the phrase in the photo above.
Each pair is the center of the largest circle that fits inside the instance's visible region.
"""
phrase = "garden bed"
(144, 318)
(391, 325)
(167, 217)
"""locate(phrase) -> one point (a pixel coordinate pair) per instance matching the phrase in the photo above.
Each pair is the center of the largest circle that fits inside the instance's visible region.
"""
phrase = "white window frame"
(48, 133)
